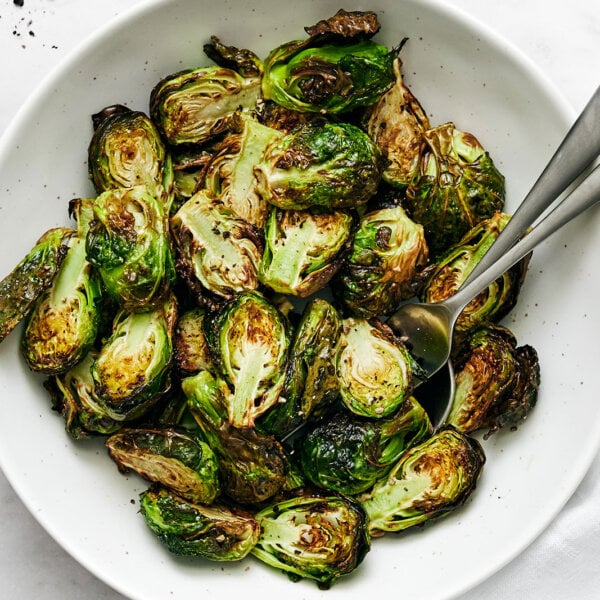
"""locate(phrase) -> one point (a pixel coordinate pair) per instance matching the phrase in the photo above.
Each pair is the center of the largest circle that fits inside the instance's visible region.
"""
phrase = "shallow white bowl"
(460, 71)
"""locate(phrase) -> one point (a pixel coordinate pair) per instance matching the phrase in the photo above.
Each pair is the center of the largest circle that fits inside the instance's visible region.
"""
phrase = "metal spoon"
(429, 327)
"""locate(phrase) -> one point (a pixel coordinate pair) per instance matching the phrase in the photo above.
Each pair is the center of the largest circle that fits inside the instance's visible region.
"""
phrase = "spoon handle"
(580, 199)
(579, 148)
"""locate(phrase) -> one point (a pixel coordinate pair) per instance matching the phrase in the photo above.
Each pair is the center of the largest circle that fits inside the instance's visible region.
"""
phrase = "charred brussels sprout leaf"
(190, 349)
(313, 536)
(126, 150)
(497, 381)
(303, 250)
(20, 289)
(430, 480)
(242, 60)
(348, 454)
(218, 252)
(128, 243)
(195, 105)
(457, 186)
(185, 465)
(447, 274)
(320, 165)
(374, 368)
(388, 250)
(311, 385)
(217, 532)
(253, 466)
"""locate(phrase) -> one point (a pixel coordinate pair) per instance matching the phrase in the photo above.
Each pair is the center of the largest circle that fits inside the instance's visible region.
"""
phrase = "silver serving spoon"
(429, 326)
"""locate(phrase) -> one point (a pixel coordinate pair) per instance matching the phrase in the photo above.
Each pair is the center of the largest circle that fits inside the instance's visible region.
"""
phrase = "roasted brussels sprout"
(128, 243)
(320, 165)
(446, 275)
(315, 75)
(374, 368)
(217, 532)
(195, 105)
(133, 367)
(497, 381)
(126, 150)
(456, 187)
(430, 480)
(253, 466)
(311, 385)
(348, 454)
(178, 461)
(396, 124)
(64, 322)
(33, 274)
(249, 340)
(303, 250)
(218, 252)
(388, 250)
(190, 349)
(314, 536)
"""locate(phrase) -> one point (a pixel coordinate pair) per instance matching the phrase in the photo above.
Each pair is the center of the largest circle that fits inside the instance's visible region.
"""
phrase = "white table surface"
(563, 39)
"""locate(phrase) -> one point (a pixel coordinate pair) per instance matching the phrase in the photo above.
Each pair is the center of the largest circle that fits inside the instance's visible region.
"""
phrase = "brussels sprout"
(315, 536)
(33, 274)
(133, 366)
(182, 463)
(253, 466)
(74, 396)
(311, 385)
(445, 276)
(457, 186)
(430, 480)
(64, 322)
(195, 105)
(348, 454)
(190, 349)
(126, 150)
(230, 174)
(218, 252)
(374, 368)
(388, 250)
(242, 60)
(315, 75)
(496, 381)
(303, 250)
(216, 532)
(250, 342)
(320, 165)
(128, 243)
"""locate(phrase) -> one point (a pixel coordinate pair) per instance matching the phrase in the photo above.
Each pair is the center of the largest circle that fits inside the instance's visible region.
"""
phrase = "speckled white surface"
(563, 39)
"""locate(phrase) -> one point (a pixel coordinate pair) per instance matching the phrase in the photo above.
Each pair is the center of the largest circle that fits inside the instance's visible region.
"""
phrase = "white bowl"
(461, 72)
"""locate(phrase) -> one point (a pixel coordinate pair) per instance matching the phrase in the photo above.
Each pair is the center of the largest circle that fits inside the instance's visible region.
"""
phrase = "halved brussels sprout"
(496, 381)
(195, 105)
(430, 480)
(315, 536)
(374, 368)
(320, 165)
(253, 466)
(179, 462)
(457, 186)
(133, 366)
(311, 385)
(190, 349)
(348, 454)
(451, 269)
(20, 289)
(388, 250)
(218, 252)
(128, 243)
(335, 70)
(126, 150)
(396, 124)
(303, 250)
(217, 532)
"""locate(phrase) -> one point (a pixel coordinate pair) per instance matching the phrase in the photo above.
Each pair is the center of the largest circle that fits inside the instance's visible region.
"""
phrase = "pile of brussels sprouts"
(217, 313)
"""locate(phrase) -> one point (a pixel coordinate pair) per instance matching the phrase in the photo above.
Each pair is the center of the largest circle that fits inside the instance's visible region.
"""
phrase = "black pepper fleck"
(18, 2)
